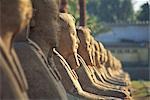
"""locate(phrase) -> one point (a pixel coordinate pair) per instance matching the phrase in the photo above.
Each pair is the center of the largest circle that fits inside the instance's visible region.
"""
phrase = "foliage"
(73, 8)
(107, 11)
(92, 20)
(96, 26)
(143, 14)
(140, 90)
(111, 10)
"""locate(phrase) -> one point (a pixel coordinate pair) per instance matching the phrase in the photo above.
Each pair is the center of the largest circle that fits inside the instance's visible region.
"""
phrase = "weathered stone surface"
(87, 42)
(42, 82)
(68, 43)
(14, 16)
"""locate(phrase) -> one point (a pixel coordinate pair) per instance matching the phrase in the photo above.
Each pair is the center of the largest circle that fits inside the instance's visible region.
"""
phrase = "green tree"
(126, 12)
(73, 8)
(96, 26)
(111, 10)
(144, 13)
(92, 20)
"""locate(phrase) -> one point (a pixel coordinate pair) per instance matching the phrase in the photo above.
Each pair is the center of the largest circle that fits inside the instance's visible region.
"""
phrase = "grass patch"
(141, 90)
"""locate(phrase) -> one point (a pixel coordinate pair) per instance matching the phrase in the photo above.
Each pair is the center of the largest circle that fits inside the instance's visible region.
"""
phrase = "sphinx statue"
(13, 84)
(112, 71)
(86, 49)
(34, 48)
(103, 57)
(66, 59)
(100, 69)
(116, 70)
(103, 73)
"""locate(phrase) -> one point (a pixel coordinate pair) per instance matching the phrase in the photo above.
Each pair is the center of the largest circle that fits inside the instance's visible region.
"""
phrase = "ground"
(141, 90)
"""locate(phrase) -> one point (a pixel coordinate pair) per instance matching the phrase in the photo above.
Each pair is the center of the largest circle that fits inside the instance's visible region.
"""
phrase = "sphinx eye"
(89, 46)
(73, 33)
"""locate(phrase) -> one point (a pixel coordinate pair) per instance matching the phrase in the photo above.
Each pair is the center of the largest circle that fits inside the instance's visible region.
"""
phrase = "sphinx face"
(44, 24)
(102, 54)
(74, 44)
(97, 54)
(105, 56)
(109, 61)
(85, 46)
(93, 52)
(25, 10)
(117, 64)
(69, 41)
(114, 63)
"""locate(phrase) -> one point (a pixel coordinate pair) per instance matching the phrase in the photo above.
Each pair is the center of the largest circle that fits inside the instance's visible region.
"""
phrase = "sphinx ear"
(62, 22)
(61, 17)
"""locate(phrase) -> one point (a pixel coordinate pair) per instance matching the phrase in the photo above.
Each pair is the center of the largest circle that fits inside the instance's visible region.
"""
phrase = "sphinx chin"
(73, 61)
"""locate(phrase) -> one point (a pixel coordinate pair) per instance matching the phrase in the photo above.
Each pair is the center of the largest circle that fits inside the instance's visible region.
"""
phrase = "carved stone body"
(14, 16)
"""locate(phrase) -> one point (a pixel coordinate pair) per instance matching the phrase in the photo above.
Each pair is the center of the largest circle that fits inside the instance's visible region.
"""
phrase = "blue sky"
(138, 3)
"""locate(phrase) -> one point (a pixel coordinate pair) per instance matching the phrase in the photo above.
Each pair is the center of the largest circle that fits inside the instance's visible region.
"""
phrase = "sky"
(138, 3)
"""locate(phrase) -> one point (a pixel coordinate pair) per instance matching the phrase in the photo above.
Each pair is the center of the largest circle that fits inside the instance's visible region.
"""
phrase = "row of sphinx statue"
(45, 56)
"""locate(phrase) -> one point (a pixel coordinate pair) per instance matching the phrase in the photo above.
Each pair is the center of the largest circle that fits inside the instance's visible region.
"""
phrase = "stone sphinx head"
(15, 15)
(94, 51)
(97, 53)
(113, 63)
(44, 24)
(109, 62)
(85, 46)
(103, 54)
(119, 64)
(116, 64)
(68, 41)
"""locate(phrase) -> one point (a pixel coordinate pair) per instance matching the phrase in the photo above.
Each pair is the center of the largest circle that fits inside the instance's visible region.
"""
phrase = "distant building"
(128, 42)
(130, 54)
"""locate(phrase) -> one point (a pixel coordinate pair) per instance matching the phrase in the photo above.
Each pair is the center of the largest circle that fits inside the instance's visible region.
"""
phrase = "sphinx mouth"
(72, 58)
